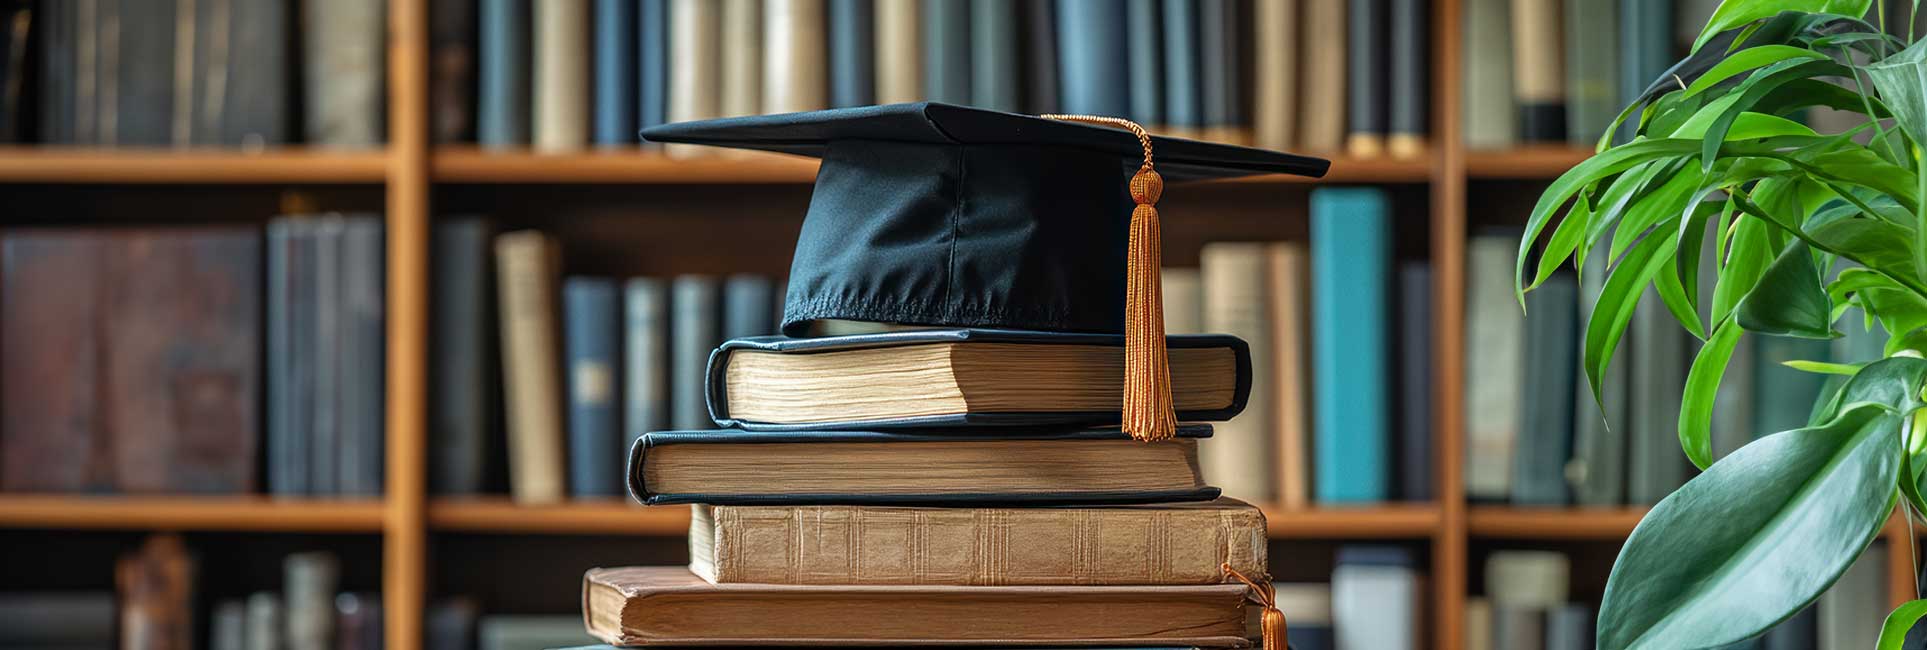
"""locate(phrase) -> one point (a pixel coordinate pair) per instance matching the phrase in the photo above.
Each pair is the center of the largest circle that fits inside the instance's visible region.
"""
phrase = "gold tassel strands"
(1272, 628)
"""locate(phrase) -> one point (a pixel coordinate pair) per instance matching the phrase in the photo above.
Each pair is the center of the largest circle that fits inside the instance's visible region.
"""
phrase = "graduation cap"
(933, 214)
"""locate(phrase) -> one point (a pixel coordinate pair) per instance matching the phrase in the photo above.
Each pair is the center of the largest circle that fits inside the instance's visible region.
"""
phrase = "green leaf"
(1736, 13)
(1748, 59)
(1902, 82)
(1875, 244)
(1824, 367)
(1792, 509)
(1658, 207)
(1614, 307)
(1729, 126)
(1789, 300)
(1893, 633)
(1746, 260)
(1564, 239)
(1611, 162)
(1702, 386)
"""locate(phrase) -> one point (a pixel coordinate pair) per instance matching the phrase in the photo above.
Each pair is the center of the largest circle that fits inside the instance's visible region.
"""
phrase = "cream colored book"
(1276, 74)
(1170, 544)
(561, 101)
(531, 370)
(1288, 276)
(742, 57)
(1494, 365)
(1239, 456)
(695, 55)
(1322, 115)
(899, 55)
(1183, 301)
(795, 56)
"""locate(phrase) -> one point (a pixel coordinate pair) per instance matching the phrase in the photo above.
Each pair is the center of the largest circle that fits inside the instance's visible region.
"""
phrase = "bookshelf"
(410, 170)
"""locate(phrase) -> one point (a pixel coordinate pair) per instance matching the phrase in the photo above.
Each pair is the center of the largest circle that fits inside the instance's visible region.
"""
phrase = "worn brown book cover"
(1170, 544)
(655, 606)
(50, 362)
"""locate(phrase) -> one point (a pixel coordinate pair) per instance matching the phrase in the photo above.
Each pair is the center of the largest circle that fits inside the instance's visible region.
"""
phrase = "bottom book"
(656, 606)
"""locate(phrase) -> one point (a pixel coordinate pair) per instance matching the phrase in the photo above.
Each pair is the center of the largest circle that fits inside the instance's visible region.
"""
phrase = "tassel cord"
(1273, 626)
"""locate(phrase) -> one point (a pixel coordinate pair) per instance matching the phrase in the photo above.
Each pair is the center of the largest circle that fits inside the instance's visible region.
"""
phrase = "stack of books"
(942, 486)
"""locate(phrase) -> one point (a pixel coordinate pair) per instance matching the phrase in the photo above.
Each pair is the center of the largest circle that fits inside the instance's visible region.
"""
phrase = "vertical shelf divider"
(404, 526)
(1449, 544)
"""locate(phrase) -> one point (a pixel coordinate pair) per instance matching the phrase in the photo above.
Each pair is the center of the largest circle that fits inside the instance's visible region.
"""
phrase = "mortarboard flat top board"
(941, 215)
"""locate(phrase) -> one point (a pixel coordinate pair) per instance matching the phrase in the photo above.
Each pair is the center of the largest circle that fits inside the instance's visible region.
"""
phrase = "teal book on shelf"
(1351, 231)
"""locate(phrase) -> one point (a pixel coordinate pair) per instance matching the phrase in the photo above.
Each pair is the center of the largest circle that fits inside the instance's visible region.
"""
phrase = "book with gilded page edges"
(657, 606)
(1174, 544)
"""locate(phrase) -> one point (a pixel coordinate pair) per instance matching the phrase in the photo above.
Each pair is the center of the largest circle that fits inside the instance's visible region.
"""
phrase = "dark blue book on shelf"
(946, 50)
(852, 53)
(1020, 466)
(1093, 58)
(652, 62)
(1545, 443)
(1142, 18)
(1181, 91)
(502, 114)
(1367, 70)
(589, 322)
(695, 329)
(1220, 83)
(645, 351)
(287, 446)
(1645, 49)
(749, 306)
(1351, 248)
(1041, 91)
(996, 75)
(615, 72)
(363, 358)
(462, 354)
(1415, 381)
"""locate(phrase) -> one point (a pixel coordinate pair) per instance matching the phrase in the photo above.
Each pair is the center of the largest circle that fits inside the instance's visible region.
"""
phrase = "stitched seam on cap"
(956, 214)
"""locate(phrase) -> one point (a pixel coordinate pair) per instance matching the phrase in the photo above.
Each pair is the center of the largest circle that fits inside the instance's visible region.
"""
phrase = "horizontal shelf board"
(1536, 162)
(620, 517)
(226, 513)
(475, 165)
(1387, 521)
(598, 517)
(1505, 522)
(24, 164)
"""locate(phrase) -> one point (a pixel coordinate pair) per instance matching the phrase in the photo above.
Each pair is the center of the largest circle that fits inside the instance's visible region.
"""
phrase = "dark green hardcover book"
(1545, 421)
(1658, 355)
(1598, 468)
(1645, 49)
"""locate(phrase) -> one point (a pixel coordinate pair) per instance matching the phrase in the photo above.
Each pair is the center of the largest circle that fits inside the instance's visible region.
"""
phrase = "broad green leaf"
(1893, 384)
(1801, 94)
(1620, 195)
(1746, 260)
(1614, 307)
(1824, 367)
(1893, 633)
(1564, 239)
(1672, 294)
(1746, 60)
(1702, 386)
(1793, 510)
(1861, 166)
(1902, 81)
(1659, 207)
(1611, 162)
(1733, 14)
(1789, 299)
(1896, 308)
(1728, 125)
(1875, 244)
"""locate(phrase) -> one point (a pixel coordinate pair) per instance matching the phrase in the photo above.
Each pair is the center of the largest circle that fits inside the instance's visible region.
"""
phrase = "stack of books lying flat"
(942, 487)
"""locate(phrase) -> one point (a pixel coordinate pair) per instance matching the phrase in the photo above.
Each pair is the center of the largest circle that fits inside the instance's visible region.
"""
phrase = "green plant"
(1806, 225)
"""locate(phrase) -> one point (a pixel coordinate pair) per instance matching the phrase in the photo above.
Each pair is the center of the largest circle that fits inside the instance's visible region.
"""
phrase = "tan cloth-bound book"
(658, 606)
(1171, 544)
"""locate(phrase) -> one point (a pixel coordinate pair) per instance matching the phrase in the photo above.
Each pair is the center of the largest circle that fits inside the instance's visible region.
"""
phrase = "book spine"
(1518, 628)
(1545, 434)
(1289, 292)
(140, 100)
(899, 53)
(51, 360)
(1090, 41)
(1041, 89)
(1183, 300)
(1322, 115)
(589, 317)
(652, 67)
(695, 65)
(1592, 69)
(996, 65)
(257, 60)
(1489, 118)
(305, 312)
(59, 74)
(1658, 373)
(364, 370)
(696, 332)
(1415, 382)
(1238, 455)
(1146, 63)
(1182, 94)
(561, 100)
(310, 581)
(1569, 627)
(1645, 45)
(1275, 73)
(1374, 604)
(1539, 85)
(502, 111)
(795, 56)
(1848, 613)
(325, 440)
(346, 43)
(741, 60)
(463, 398)
(286, 469)
(264, 620)
(748, 307)
(1598, 473)
(852, 53)
(1493, 331)
(1351, 262)
(1783, 396)
(526, 266)
(615, 72)
(1366, 83)
(1408, 88)
(1218, 80)
(946, 50)
(646, 358)
(451, 72)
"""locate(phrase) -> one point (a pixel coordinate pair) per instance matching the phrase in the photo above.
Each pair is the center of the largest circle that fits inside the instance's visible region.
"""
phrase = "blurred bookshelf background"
(324, 324)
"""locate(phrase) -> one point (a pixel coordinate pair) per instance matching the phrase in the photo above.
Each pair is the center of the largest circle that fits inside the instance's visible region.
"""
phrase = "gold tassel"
(1148, 412)
(1272, 627)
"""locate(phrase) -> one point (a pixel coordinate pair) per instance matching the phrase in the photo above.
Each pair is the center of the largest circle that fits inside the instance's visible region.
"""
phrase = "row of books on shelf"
(1536, 436)
(134, 358)
(1315, 75)
(244, 73)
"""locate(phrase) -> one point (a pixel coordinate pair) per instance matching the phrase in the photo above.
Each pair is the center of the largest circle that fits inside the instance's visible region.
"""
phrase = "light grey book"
(324, 354)
(1592, 69)
(1239, 456)
(1657, 358)
(1528, 579)
(344, 64)
(1491, 119)
(1183, 301)
(1375, 598)
(1545, 420)
(264, 625)
(560, 91)
(1570, 627)
(1852, 611)
(645, 380)
(694, 332)
(363, 362)
(522, 632)
(227, 626)
(1598, 468)
(35, 619)
(1517, 627)
(527, 275)
(1494, 362)
(310, 581)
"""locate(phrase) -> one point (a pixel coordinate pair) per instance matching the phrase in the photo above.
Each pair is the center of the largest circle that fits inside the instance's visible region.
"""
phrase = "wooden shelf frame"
(190, 513)
(27, 164)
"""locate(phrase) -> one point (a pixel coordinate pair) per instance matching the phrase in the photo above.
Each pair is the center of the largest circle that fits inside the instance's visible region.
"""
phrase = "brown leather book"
(655, 606)
(156, 594)
(51, 438)
(1173, 544)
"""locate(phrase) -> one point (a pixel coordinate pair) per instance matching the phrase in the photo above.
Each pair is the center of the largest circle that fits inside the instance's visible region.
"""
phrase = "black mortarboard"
(932, 214)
